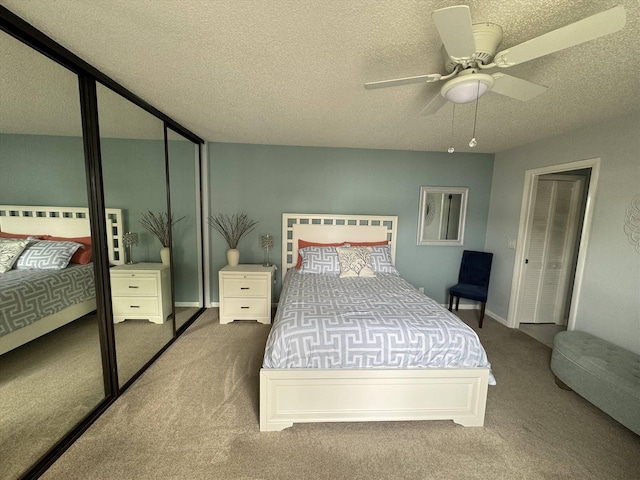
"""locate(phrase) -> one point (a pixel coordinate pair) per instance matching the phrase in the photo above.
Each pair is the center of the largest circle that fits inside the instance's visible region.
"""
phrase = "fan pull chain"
(453, 114)
(473, 141)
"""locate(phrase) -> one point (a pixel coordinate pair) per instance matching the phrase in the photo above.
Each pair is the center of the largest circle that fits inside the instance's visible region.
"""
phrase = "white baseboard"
(497, 318)
(463, 306)
(472, 306)
(187, 304)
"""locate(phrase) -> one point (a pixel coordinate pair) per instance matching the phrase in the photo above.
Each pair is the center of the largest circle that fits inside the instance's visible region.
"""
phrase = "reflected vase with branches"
(160, 224)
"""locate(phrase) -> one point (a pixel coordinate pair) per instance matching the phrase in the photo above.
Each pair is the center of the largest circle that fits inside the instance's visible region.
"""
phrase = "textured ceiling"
(291, 72)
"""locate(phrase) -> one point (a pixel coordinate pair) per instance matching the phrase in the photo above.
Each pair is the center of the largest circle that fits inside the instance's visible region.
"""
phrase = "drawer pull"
(244, 288)
(133, 286)
(134, 306)
(245, 307)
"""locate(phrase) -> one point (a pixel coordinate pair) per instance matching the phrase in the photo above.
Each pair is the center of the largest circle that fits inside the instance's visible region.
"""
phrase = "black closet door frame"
(87, 78)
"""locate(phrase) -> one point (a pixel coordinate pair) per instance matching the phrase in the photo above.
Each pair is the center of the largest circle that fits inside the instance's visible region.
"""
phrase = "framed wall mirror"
(442, 215)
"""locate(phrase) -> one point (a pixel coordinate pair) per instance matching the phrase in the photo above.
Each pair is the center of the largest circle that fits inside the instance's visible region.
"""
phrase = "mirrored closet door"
(184, 182)
(51, 373)
(135, 180)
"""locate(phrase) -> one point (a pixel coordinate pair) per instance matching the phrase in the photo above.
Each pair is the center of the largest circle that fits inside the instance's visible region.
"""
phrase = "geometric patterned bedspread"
(29, 295)
(324, 321)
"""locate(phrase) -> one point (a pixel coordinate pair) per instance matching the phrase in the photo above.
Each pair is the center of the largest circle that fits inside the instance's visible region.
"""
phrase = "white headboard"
(331, 228)
(62, 222)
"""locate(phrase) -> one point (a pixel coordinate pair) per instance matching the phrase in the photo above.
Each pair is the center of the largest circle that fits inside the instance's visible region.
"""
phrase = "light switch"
(511, 244)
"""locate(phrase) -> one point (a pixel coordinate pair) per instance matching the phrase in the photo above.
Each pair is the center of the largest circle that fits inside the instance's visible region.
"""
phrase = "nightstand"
(141, 291)
(246, 293)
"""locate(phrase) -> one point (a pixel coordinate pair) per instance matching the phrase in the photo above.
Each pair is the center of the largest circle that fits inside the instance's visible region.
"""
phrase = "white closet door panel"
(552, 295)
(550, 250)
(539, 230)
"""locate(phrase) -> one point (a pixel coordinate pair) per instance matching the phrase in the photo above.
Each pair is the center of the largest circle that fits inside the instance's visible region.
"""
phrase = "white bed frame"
(60, 222)
(289, 396)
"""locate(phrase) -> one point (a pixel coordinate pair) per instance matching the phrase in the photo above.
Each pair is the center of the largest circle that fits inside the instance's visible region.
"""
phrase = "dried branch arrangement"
(159, 225)
(232, 228)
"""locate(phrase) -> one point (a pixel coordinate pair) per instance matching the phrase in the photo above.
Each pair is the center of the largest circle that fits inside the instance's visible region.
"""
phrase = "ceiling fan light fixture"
(467, 88)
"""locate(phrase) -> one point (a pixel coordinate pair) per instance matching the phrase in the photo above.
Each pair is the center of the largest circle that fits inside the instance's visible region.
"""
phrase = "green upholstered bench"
(604, 374)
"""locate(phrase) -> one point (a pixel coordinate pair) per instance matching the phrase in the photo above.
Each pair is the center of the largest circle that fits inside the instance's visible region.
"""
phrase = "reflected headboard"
(330, 228)
(62, 222)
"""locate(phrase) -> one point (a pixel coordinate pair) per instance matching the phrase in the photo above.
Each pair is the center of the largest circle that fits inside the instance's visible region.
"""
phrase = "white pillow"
(46, 255)
(10, 250)
(355, 262)
(319, 260)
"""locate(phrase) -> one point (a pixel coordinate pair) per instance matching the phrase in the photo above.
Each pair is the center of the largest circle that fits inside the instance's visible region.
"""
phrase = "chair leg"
(482, 313)
(457, 303)
(450, 302)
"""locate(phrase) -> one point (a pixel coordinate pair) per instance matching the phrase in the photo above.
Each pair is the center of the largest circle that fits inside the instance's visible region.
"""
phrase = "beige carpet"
(46, 387)
(542, 332)
(194, 415)
(50, 384)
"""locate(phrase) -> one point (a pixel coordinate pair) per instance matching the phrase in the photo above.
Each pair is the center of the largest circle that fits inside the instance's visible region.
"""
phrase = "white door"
(550, 250)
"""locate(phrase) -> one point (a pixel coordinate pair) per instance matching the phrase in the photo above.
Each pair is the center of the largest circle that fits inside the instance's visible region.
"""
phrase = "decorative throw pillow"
(83, 254)
(319, 260)
(355, 262)
(305, 244)
(46, 255)
(381, 260)
(10, 250)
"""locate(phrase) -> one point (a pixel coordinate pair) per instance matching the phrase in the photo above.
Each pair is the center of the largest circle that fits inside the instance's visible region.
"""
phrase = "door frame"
(526, 210)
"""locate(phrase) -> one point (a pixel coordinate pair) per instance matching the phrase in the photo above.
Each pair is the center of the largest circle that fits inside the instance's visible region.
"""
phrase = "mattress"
(26, 296)
(324, 321)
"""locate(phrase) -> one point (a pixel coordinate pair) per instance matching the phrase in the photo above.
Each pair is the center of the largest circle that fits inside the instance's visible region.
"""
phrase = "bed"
(317, 384)
(36, 302)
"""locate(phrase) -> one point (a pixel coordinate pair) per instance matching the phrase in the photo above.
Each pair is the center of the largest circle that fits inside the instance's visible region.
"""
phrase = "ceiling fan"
(470, 49)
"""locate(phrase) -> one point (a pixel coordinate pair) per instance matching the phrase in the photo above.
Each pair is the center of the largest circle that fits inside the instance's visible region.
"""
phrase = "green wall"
(182, 182)
(266, 181)
(49, 170)
(607, 301)
(42, 170)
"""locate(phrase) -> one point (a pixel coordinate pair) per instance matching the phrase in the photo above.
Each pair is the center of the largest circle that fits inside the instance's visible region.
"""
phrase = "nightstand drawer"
(135, 306)
(134, 286)
(245, 287)
(243, 307)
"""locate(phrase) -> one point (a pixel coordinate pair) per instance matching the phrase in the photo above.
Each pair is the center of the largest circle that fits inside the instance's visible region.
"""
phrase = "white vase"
(165, 255)
(233, 257)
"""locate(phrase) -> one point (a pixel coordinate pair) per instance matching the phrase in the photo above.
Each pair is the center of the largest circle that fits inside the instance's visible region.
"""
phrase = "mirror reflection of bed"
(51, 383)
(49, 342)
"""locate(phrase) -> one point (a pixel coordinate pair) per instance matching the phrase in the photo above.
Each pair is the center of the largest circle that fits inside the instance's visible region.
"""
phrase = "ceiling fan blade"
(434, 77)
(516, 87)
(434, 105)
(455, 30)
(585, 30)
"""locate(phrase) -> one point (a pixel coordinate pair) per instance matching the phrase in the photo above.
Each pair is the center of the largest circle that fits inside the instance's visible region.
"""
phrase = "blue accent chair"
(473, 280)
